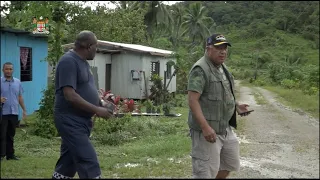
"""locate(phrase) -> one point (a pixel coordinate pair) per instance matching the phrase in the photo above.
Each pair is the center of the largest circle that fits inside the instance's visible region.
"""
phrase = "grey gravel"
(277, 141)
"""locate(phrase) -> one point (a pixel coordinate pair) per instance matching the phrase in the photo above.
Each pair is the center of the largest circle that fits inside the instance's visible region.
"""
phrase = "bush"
(312, 75)
(44, 125)
(120, 130)
(289, 84)
(259, 82)
(45, 128)
(311, 91)
(180, 101)
(277, 71)
(162, 43)
(241, 73)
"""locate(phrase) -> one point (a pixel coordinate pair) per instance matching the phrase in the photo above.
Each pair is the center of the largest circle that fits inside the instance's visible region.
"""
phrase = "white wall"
(100, 62)
(121, 81)
(121, 66)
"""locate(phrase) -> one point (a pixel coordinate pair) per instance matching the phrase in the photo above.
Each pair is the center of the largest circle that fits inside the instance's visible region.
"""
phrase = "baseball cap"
(216, 40)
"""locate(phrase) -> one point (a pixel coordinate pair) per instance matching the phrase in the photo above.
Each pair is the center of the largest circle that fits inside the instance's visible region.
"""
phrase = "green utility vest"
(217, 100)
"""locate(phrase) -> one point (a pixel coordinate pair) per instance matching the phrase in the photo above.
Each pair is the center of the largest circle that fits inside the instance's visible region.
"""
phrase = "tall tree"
(177, 13)
(196, 23)
(156, 16)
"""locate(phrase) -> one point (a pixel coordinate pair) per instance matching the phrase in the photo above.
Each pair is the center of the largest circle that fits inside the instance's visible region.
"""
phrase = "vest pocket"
(214, 97)
(214, 107)
(215, 87)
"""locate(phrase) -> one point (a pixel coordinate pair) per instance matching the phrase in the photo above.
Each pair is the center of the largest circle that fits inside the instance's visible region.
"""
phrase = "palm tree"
(177, 13)
(127, 5)
(196, 23)
(157, 16)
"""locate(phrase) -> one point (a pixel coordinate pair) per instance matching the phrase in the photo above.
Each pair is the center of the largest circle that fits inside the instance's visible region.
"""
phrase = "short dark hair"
(7, 63)
(84, 39)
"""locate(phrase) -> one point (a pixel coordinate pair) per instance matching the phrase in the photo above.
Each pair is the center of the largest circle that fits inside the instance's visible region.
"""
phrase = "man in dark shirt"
(76, 101)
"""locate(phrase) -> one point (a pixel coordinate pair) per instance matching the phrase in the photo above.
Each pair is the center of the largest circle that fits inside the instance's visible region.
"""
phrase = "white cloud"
(93, 4)
(2, 3)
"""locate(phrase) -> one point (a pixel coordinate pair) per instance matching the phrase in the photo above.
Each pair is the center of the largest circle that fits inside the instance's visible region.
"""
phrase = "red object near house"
(128, 105)
(131, 105)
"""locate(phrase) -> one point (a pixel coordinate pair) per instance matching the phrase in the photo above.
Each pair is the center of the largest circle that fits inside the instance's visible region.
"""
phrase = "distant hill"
(278, 40)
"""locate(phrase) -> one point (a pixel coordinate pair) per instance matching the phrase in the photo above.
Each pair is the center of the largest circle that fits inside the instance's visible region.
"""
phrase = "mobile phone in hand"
(246, 112)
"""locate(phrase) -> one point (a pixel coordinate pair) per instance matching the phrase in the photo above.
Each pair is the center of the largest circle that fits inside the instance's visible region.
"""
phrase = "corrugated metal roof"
(130, 47)
(136, 47)
(19, 31)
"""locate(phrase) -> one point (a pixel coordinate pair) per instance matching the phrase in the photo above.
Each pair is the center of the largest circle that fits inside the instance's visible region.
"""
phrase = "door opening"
(108, 77)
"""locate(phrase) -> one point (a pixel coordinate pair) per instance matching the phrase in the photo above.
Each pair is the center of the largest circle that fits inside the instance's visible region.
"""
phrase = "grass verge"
(293, 98)
(297, 99)
(161, 150)
(259, 98)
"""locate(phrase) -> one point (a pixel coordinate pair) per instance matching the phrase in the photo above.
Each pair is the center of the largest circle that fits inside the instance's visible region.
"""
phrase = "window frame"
(26, 75)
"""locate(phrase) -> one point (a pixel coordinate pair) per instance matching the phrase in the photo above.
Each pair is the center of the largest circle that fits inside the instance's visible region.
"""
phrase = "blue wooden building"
(27, 52)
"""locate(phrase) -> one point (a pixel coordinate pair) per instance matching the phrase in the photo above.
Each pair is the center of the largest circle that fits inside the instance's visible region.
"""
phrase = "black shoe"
(12, 157)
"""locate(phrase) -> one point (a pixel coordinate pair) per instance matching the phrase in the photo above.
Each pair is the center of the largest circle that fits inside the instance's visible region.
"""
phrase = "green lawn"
(153, 147)
(155, 155)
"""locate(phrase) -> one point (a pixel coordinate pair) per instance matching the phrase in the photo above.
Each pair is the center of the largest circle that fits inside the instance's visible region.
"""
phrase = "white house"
(126, 69)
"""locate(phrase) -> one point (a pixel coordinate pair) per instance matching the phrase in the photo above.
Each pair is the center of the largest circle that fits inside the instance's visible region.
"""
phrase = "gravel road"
(275, 141)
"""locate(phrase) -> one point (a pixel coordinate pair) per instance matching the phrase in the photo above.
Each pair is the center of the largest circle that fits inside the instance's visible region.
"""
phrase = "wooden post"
(145, 84)
(173, 74)
(165, 80)
(164, 86)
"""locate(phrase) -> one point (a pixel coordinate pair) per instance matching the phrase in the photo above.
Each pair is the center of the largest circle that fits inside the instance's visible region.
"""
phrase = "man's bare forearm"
(77, 101)
(197, 113)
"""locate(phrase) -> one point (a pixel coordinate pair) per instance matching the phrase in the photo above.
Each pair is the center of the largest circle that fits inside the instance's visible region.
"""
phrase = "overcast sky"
(108, 4)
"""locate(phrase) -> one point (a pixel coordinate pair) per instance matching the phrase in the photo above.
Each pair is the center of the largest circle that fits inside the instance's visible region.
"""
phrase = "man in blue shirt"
(11, 97)
(76, 102)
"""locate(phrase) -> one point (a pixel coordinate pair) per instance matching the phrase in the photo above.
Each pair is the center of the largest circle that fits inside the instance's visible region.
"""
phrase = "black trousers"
(8, 125)
(77, 154)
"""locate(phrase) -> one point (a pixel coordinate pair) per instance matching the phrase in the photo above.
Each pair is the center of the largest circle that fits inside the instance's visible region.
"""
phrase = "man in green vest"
(215, 148)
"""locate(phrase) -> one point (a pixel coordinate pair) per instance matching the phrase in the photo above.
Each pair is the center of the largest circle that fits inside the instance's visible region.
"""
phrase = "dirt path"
(275, 141)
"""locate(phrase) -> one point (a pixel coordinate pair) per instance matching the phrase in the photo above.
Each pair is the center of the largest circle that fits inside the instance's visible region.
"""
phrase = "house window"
(25, 64)
(155, 68)
(168, 73)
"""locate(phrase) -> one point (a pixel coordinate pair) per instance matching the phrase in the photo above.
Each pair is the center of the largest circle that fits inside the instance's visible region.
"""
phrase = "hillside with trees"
(273, 41)
(275, 44)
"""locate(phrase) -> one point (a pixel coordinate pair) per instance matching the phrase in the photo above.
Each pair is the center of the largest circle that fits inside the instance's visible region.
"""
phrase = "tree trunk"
(193, 39)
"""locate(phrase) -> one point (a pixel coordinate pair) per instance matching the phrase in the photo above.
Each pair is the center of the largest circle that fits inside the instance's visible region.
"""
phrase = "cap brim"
(219, 43)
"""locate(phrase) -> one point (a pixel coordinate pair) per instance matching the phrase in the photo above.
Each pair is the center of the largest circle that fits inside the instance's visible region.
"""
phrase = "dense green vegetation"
(273, 42)
(158, 145)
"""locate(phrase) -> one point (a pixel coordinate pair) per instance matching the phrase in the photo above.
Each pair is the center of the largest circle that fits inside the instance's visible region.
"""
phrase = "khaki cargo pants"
(209, 158)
